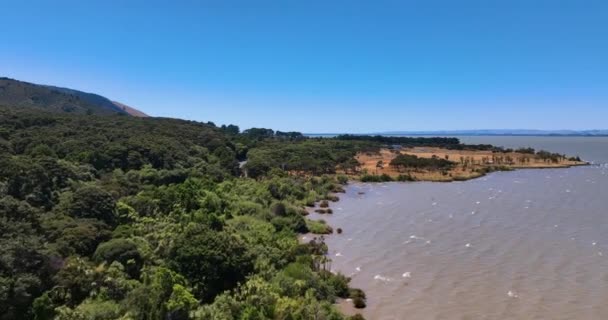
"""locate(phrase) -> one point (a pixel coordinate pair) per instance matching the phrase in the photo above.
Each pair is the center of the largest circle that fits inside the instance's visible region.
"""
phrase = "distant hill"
(14, 93)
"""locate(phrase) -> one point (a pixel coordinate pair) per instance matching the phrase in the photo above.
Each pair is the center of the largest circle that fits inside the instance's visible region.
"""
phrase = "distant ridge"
(15, 93)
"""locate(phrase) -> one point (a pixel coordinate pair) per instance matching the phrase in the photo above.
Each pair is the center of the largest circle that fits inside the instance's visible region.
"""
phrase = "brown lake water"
(527, 244)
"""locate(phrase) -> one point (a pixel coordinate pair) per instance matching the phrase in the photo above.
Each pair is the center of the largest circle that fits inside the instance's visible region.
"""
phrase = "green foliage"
(92, 202)
(213, 261)
(406, 161)
(124, 251)
(129, 218)
(318, 227)
(163, 295)
(307, 156)
(376, 178)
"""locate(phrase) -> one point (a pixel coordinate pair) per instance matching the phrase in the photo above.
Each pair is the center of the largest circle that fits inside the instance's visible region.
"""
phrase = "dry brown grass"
(469, 164)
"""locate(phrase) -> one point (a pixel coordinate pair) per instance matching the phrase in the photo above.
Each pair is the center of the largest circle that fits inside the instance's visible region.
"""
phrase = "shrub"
(279, 209)
(324, 204)
(339, 230)
(356, 293)
(342, 179)
(405, 177)
(333, 198)
(359, 303)
(318, 227)
(339, 283)
(375, 178)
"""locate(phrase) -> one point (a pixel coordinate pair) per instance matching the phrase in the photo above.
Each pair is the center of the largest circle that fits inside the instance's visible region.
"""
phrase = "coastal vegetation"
(118, 217)
(108, 217)
(450, 163)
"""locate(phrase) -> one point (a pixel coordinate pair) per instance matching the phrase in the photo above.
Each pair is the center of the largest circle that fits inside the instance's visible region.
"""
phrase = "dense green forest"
(117, 217)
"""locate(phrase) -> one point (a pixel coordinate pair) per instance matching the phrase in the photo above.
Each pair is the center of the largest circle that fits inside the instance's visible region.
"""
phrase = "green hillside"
(16, 93)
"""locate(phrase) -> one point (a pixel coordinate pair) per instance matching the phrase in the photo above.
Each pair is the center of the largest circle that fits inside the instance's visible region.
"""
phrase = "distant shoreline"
(330, 135)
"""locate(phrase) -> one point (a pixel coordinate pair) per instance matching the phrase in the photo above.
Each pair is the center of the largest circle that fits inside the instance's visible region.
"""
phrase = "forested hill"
(16, 93)
(113, 217)
(116, 217)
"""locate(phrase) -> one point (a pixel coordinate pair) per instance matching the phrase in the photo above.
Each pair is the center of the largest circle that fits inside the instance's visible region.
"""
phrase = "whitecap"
(594, 243)
(338, 254)
(358, 269)
(512, 294)
(382, 278)
(478, 202)
(468, 245)
(407, 275)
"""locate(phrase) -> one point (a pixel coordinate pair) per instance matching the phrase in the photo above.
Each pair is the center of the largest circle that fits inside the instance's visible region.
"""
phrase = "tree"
(214, 261)
(124, 251)
(164, 295)
(92, 202)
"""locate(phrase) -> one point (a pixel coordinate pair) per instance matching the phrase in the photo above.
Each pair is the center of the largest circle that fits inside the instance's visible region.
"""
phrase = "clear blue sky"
(324, 66)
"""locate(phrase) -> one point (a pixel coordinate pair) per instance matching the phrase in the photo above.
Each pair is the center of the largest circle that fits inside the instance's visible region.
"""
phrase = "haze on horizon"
(325, 67)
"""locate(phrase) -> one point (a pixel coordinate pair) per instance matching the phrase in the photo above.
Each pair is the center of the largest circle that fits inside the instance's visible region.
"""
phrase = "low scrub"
(318, 227)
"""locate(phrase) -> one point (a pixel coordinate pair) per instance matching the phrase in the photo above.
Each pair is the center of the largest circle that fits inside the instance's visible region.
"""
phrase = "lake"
(527, 244)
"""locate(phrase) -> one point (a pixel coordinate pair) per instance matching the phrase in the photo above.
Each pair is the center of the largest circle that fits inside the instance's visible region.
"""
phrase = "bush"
(279, 209)
(375, 178)
(318, 227)
(359, 303)
(342, 179)
(405, 177)
(324, 204)
(356, 293)
(334, 198)
(339, 283)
